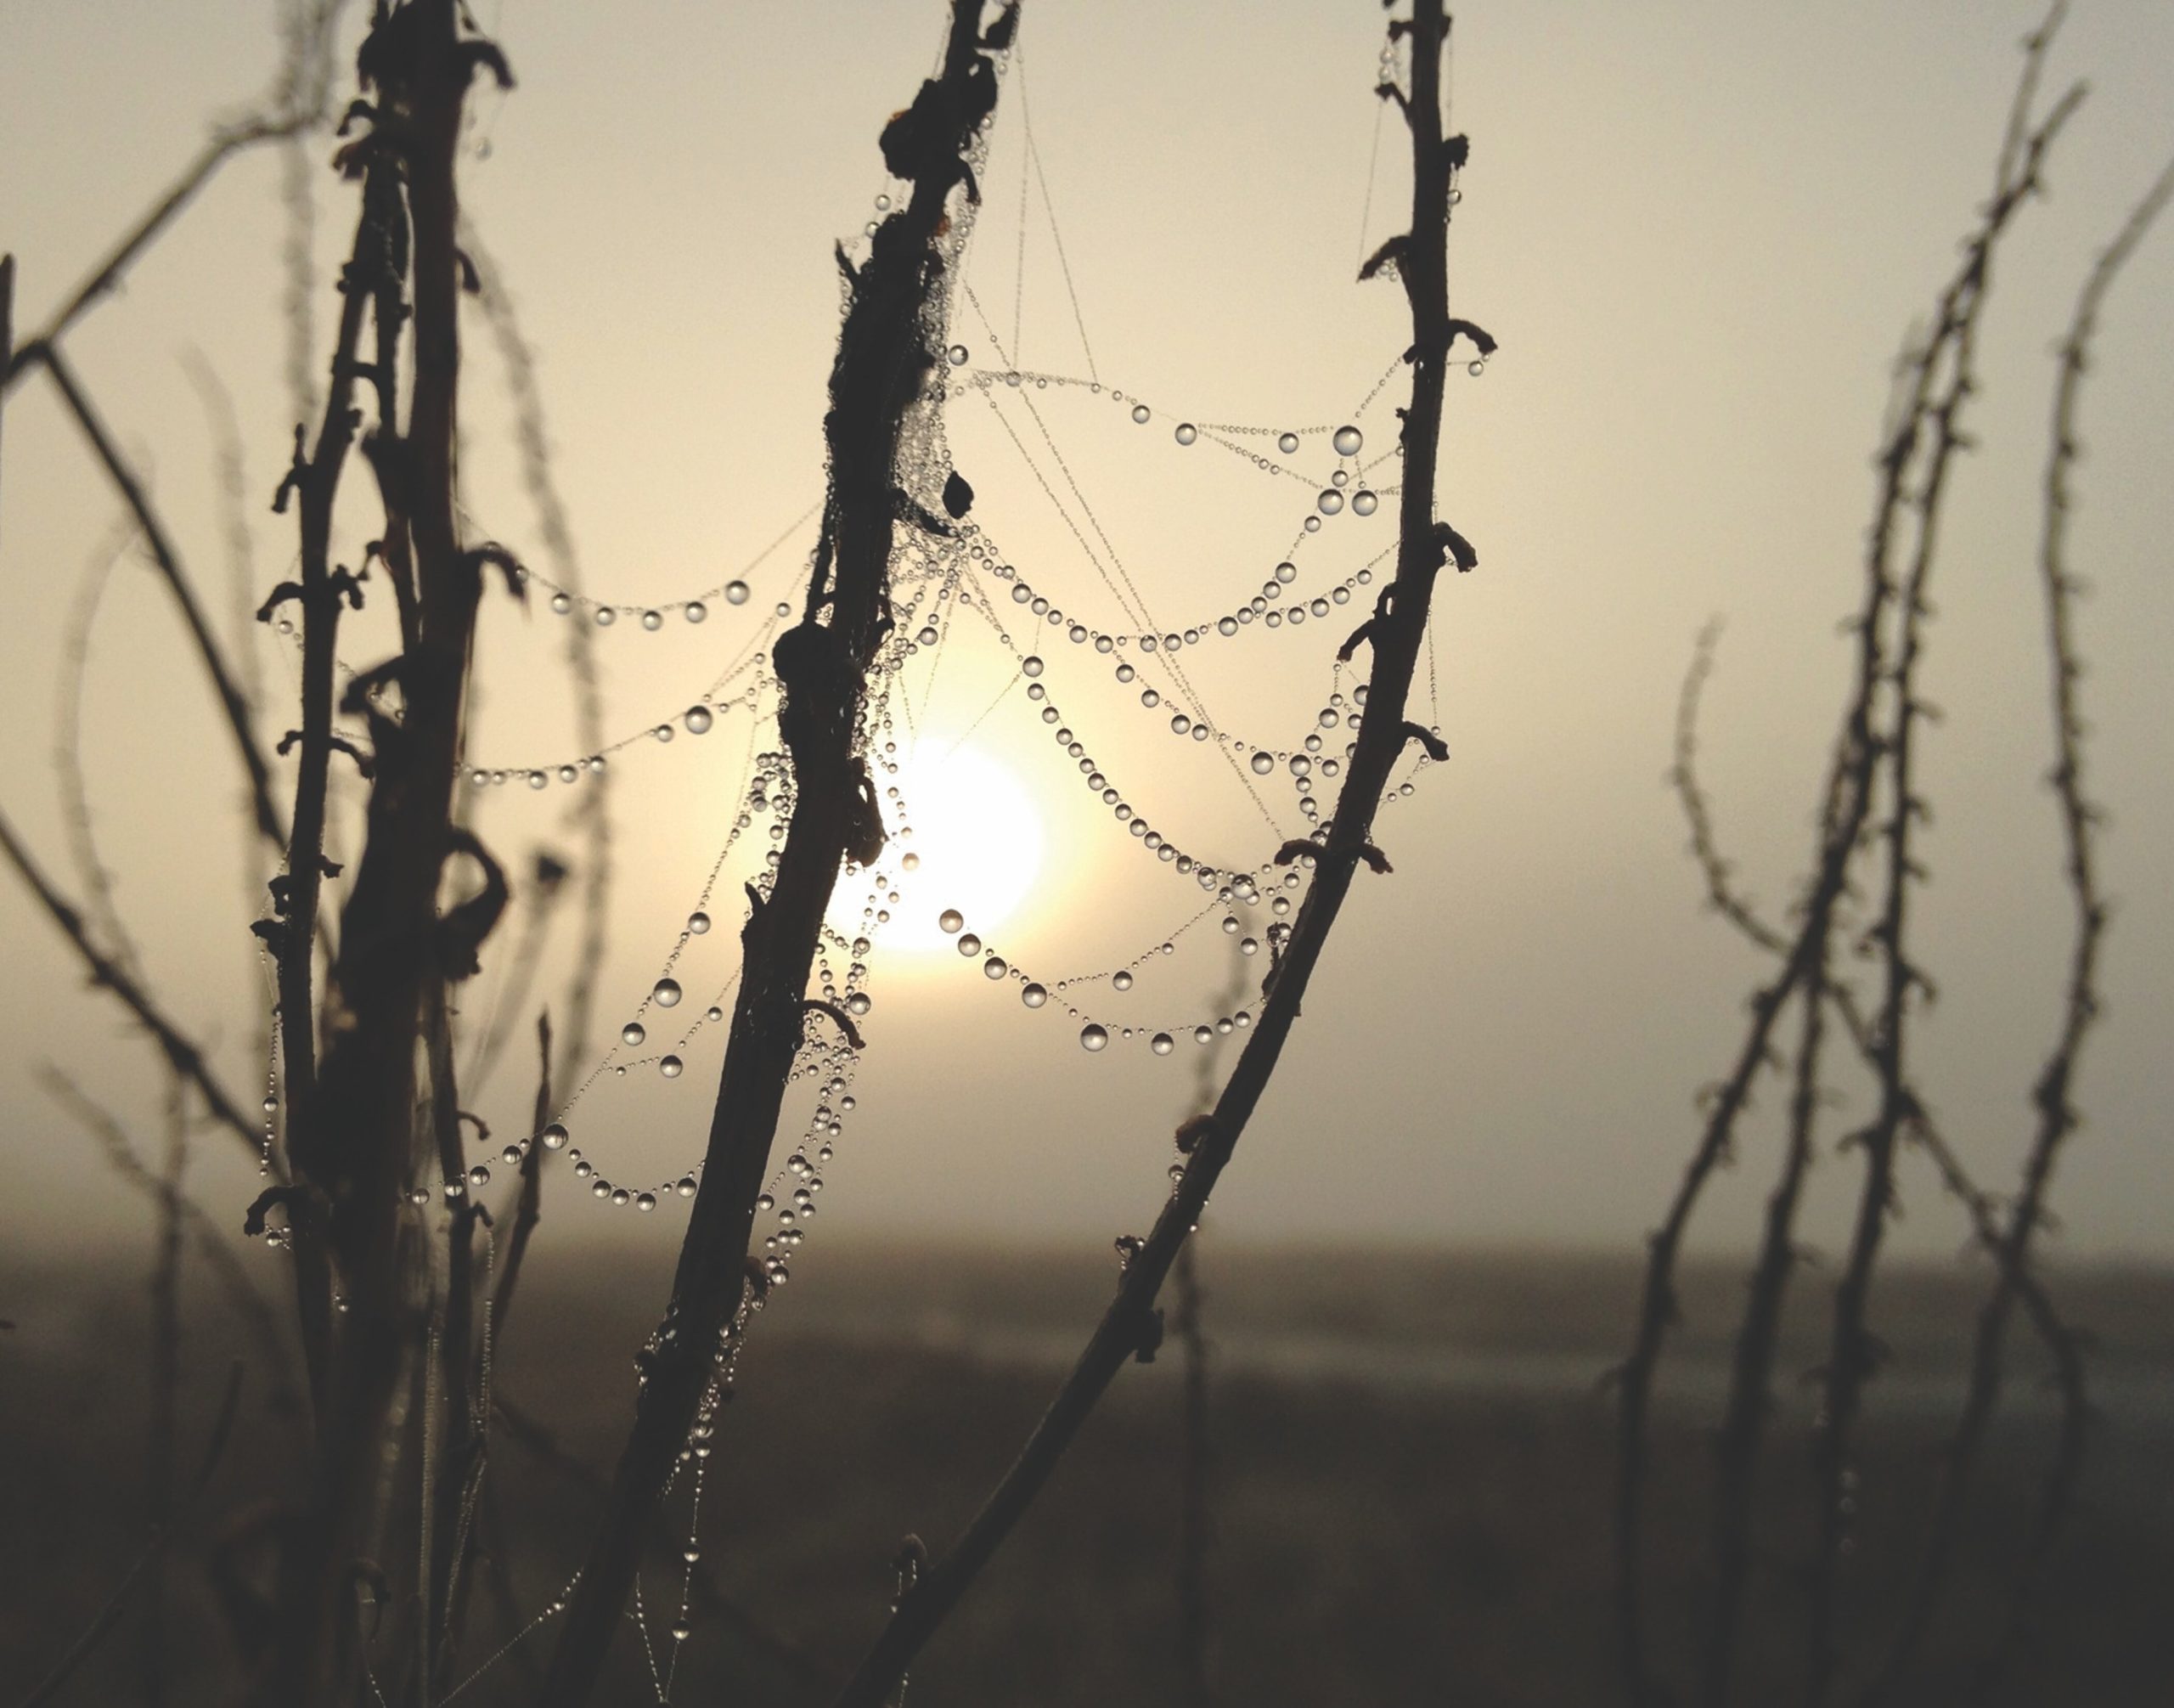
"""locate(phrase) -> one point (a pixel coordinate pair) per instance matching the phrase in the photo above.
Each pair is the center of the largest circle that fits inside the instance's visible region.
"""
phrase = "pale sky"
(1699, 232)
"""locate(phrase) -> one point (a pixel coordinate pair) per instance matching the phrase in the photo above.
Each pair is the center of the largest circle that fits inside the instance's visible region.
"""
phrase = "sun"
(977, 841)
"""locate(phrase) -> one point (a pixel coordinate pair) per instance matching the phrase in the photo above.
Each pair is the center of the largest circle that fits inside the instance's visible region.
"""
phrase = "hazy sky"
(1699, 232)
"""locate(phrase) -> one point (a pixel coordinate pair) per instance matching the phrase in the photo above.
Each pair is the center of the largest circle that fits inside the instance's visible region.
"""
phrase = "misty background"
(1699, 232)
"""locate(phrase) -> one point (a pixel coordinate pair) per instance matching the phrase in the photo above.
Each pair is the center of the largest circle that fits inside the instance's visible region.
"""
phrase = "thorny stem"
(1854, 1352)
(884, 356)
(2056, 1113)
(367, 280)
(1861, 751)
(2015, 1274)
(1129, 1322)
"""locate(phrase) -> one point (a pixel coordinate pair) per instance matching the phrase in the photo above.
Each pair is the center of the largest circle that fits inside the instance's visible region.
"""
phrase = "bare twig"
(211, 1243)
(1854, 1352)
(7, 319)
(592, 810)
(884, 358)
(2058, 1117)
(1933, 385)
(187, 1059)
(538, 1437)
(1130, 1321)
(232, 703)
(80, 1649)
(528, 1207)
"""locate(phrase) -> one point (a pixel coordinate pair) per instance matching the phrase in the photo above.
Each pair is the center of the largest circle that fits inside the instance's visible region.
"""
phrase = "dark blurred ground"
(1411, 1482)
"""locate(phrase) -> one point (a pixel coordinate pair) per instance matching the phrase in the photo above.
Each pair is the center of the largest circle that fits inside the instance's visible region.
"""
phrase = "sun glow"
(976, 837)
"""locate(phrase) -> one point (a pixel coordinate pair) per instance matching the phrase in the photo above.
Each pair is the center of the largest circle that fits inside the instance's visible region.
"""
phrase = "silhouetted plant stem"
(1130, 1324)
(222, 147)
(185, 1056)
(1854, 1352)
(210, 1237)
(1933, 383)
(231, 702)
(355, 1151)
(555, 533)
(885, 353)
(528, 1207)
(2058, 1117)
(2012, 1267)
(7, 319)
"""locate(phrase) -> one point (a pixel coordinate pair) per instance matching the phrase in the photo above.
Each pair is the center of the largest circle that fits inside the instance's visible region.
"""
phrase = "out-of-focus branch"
(232, 702)
(188, 1060)
(210, 1239)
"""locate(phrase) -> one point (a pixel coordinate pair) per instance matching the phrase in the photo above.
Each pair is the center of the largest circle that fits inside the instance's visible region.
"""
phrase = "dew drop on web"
(666, 993)
(1347, 440)
(1093, 1038)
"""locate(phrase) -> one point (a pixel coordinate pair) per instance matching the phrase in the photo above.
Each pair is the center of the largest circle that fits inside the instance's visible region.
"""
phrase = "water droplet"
(859, 1003)
(698, 923)
(1476, 369)
(1093, 1038)
(1202, 1034)
(632, 1033)
(1121, 979)
(1364, 502)
(680, 1631)
(537, 780)
(1179, 723)
(567, 774)
(970, 945)
(696, 612)
(1286, 572)
(1034, 996)
(698, 720)
(1287, 442)
(479, 1175)
(666, 993)
(555, 1137)
(510, 1155)
(1162, 1043)
(1330, 502)
(1227, 625)
(685, 1189)
(735, 592)
(1187, 432)
(1141, 414)
(1030, 666)
(994, 966)
(670, 1067)
(957, 353)
(910, 862)
(561, 604)
(950, 920)
(1347, 440)
(652, 619)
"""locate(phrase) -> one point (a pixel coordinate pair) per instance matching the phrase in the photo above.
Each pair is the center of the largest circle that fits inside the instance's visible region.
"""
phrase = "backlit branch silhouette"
(1131, 1324)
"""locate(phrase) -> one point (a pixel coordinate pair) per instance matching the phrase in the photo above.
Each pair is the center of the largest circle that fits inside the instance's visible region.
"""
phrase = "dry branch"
(884, 356)
(1130, 1319)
